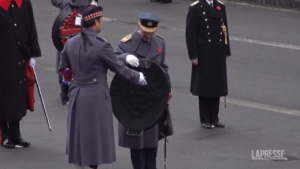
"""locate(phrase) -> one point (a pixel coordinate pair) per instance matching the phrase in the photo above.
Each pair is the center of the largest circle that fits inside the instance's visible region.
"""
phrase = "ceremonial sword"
(42, 100)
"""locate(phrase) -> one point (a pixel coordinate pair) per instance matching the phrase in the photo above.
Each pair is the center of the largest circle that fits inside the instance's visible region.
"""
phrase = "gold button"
(19, 63)
(221, 33)
(15, 24)
(95, 80)
(23, 61)
(24, 79)
(221, 19)
(20, 81)
(72, 78)
(220, 40)
(205, 19)
(208, 40)
(208, 33)
(12, 5)
(201, 6)
(207, 27)
(158, 60)
(203, 13)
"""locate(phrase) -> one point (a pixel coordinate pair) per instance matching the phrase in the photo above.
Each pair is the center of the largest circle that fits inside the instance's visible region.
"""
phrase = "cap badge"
(149, 23)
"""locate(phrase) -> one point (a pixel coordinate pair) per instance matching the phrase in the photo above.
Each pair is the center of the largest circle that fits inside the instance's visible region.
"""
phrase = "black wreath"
(139, 99)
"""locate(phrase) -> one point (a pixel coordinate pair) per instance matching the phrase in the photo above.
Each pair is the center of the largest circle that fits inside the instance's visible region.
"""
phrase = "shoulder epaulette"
(160, 36)
(221, 2)
(126, 38)
(194, 3)
(104, 40)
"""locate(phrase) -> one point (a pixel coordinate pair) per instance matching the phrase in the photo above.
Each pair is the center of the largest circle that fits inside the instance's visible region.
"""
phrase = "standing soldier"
(144, 43)
(90, 140)
(18, 47)
(61, 4)
(208, 49)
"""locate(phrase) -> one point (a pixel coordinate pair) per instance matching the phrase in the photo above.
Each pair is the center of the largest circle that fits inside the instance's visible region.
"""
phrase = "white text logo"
(268, 155)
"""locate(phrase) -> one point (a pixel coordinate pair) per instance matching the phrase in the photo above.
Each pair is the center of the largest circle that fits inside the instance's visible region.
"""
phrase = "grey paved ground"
(263, 109)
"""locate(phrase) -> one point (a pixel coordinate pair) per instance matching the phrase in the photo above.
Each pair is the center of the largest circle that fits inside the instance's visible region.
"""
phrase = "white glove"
(132, 60)
(142, 80)
(32, 61)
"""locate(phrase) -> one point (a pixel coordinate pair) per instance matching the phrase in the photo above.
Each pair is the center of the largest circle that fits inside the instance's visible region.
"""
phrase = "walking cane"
(42, 100)
(165, 153)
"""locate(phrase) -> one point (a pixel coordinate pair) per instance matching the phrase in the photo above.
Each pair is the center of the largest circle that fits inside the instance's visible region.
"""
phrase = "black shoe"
(21, 143)
(219, 125)
(9, 144)
(206, 125)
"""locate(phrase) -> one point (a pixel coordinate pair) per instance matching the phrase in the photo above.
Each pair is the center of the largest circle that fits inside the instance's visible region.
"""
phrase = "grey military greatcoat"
(90, 138)
(154, 50)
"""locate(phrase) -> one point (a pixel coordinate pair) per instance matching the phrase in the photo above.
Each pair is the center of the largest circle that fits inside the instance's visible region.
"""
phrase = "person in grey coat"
(90, 137)
(145, 43)
(61, 4)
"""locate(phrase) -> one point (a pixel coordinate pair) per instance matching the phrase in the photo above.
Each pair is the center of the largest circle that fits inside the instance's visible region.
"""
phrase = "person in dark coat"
(208, 49)
(19, 46)
(90, 138)
(61, 4)
(145, 44)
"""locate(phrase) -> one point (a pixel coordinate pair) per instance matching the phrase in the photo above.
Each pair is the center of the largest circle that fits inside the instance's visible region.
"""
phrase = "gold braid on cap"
(93, 16)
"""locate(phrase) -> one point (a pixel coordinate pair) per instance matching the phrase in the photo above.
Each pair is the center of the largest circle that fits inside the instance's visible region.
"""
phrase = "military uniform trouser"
(209, 109)
(143, 158)
(10, 130)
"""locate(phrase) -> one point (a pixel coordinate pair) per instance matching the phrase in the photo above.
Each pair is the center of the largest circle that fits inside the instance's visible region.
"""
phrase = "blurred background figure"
(61, 4)
(162, 1)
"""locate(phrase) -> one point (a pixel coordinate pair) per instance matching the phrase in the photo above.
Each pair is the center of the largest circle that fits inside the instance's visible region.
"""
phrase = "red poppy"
(218, 8)
(158, 49)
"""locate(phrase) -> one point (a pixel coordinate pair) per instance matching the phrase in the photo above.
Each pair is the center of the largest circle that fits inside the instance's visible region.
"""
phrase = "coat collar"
(5, 3)
(90, 31)
(142, 48)
(211, 12)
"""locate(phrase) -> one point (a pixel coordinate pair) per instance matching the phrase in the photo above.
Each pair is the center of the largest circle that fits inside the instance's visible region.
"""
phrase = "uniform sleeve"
(121, 52)
(64, 60)
(163, 63)
(228, 52)
(191, 32)
(34, 46)
(59, 3)
(108, 57)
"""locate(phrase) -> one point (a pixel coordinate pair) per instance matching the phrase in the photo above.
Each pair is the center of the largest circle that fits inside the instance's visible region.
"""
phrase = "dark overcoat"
(205, 40)
(17, 28)
(90, 138)
(155, 50)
